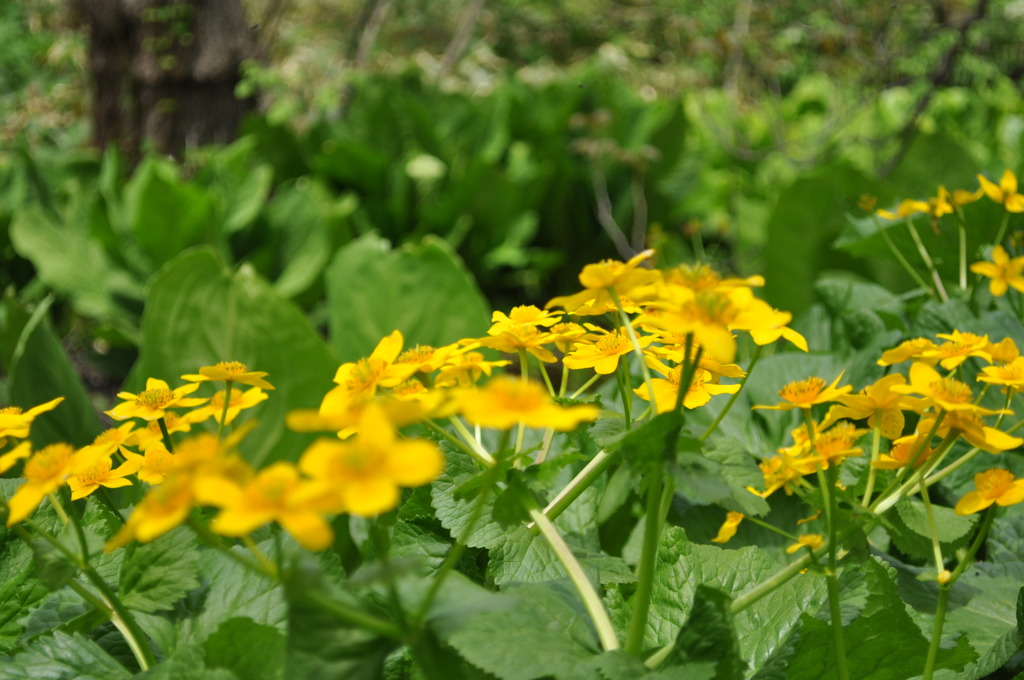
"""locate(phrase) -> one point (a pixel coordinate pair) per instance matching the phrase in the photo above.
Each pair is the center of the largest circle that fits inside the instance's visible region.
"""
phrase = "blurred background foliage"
(530, 136)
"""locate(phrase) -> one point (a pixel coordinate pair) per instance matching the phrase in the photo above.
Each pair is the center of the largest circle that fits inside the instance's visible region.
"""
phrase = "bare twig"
(460, 41)
(363, 37)
(606, 218)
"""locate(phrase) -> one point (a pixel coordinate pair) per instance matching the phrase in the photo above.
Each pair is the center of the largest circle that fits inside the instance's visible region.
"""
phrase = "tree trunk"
(164, 72)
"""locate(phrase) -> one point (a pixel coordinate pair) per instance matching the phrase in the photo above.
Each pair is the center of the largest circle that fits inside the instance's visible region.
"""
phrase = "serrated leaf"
(651, 442)
(709, 635)
(453, 512)
(909, 528)
(20, 591)
(547, 620)
(682, 566)
(156, 575)
(63, 657)
(248, 649)
(186, 663)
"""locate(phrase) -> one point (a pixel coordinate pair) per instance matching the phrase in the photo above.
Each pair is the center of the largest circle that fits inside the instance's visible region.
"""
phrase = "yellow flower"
(1005, 192)
(511, 338)
(365, 473)
(728, 528)
(807, 393)
(613, 273)
(503, 402)
(465, 367)
(231, 371)
(836, 444)
(419, 359)
(958, 349)
(239, 401)
(597, 279)
(15, 423)
(154, 466)
(766, 325)
(1004, 351)
(878, 403)
(666, 390)
(359, 380)
(163, 508)
(949, 394)
(908, 349)
(113, 438)
(809, 541)
(275, 494)
(44, 473)
(993, 486)
(524, 315)
(974, 430)
(153, 403)
(1004, 272)
(908, 207)
(97, 473)
(152, 436)
(11, 458)
(904, 450)
(603, 351)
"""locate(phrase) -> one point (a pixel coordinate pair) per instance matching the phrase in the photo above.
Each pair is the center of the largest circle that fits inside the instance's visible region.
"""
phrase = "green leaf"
(166, 214)
(20, 591)
(454, 511)
(682, 566)
(709, 636)
(250, 650)
(882, 640)
(650, 443)
(373, 290)
(910, 528)
(319, 644)
(198, 312)
(156, 575)
(41, 371)
(544, 632)
(63, 657)
(187, 663)
(720, 475)
(68, 260)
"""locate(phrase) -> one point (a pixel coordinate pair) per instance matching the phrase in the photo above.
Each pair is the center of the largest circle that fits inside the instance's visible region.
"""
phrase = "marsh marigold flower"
(603, 351)
(503, 402)
(238, 402)
(1005, 272)
(44, 473)
(728, 528)
(1005, 192)
(993, 486)
(99, 472)
(163, 508)
(878, 403)
(231, 371)
(810, 541)
(16, 423)
(153, 402)
(807, 393)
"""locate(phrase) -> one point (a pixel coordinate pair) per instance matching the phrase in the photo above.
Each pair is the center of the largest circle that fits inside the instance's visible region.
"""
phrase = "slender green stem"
(524, 368)
(827, 484)
(58, 508)
(927, 260)
(268, 565)
(475, 448)
(454, 441)
(564, 384)
(963, 255)
(876, 442)
(545, 446)
(1002, 228)
(591, 600)
(585, 385)
(547, 378)
(451, 559)
(352, 616)
(628, 325)
(769, 585)
(944, 589)
(168, 444)
(940, 563)
(224, 411)
(648, 560)
(734, 396)
(903, 260)
(583, 479)
(104, 499)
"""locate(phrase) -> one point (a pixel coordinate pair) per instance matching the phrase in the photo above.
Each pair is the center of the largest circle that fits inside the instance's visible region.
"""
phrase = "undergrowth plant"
(547, 499)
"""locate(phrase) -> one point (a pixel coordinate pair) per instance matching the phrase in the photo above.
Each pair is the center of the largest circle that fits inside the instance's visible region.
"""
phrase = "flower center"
(49, 463)
(157, 398)
(951, 390)
(416, 354)
(802, 391)
(994, 483)
(10, 411)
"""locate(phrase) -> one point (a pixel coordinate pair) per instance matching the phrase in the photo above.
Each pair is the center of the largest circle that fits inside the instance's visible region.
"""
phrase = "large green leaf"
(63, 657)
(199, 312)
(41, 371)
(156, 575)
(20, 591)
(422, 290)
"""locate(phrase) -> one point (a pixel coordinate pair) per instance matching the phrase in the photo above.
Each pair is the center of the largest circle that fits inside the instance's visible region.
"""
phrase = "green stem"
(591, 600)
(524, 365)
(940, 563)
(648, 560)
(104, 499)
(583, 479)
(876, 442)
(827, 484)
(352, 616)
(944, 589)
(1002, 228)
(963, 254)
(168, 444)
(903, 260)
(585, 385)
(927, 260)
(475, 449)
(628, 325)
(224, 411)
(734, 396)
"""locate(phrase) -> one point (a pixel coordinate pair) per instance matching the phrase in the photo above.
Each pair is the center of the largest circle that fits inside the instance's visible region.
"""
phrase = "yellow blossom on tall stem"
(504, 402)
(1005, 272)
(806, 393)
(1005, 192)
(100, 472)
(44, 473)
(231, 371)
(162, 509)
(603, 351)
(153, 402)
(959, 347)
(226, 413)
(666, 389)
(948, 394)
(996, 486)
(909, 349)
(809, 541)
(878, 403)
(16, 423)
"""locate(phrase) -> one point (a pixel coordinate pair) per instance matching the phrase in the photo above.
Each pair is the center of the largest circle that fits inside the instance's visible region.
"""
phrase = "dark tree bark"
(164, 72)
